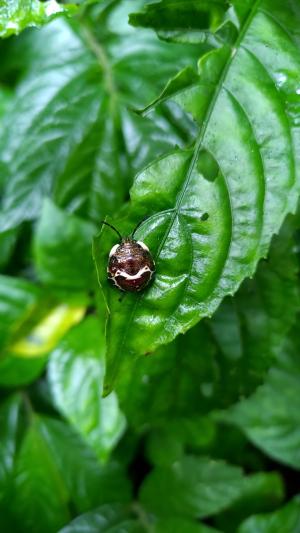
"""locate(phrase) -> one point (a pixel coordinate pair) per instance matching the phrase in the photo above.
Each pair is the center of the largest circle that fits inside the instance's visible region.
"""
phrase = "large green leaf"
(265, 491)
(88, 483)
(182, 379)
(107, 518)
(199, 487)
(182, 21)
(16, 15)
(223, 358)
(250, 328)
(68, 131)
(285, 520)
(41, 497)
(62, 249)
(193, 487)
(214, 208)
(76, 370)
(271, 416)
(54, 472)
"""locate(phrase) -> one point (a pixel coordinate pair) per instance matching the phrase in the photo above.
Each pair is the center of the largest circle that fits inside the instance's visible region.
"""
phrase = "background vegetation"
(110, 418)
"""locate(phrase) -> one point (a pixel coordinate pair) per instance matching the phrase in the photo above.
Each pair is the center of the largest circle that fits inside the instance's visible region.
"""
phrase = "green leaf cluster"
(176, 409)
(17, 15)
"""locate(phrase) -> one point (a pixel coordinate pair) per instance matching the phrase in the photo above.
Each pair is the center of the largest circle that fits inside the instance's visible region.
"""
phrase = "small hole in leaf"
(205, 216)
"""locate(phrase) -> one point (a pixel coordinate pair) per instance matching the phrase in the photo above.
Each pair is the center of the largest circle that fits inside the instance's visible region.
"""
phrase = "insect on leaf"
(213, 208)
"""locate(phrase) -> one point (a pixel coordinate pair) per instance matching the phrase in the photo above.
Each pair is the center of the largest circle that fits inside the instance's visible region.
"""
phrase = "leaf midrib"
(206, 121)
(98, 50)
(198, 147)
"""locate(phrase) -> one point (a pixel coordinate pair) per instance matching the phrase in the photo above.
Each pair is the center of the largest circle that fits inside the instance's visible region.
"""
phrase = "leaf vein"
(263, 173)
(275, 20)
(285, 113)
(198, 147)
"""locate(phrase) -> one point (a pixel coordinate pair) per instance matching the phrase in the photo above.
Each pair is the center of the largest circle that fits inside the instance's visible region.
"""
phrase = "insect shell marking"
(113, 250)
(130, 265)
(143, 245)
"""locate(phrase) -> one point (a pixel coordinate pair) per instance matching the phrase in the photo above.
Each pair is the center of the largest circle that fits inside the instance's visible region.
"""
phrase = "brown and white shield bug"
(130, 264)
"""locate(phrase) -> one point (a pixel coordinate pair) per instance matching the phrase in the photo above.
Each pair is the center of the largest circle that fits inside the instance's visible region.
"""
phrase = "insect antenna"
(137, 227)
(112, 227)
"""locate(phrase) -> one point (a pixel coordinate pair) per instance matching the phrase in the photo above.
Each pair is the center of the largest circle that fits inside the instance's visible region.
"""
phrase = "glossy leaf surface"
(264, 492)
(16, 15)
(213, 209)
(251, 328)
(285, 520)
(219, 361)
(89, 484)
(76, 370)
(201, 434)
(182, 21)
(39, 486)
(193, 486)
(62, 249)
(56, 471)
(270, 417)
(73, 102)
(110, 519)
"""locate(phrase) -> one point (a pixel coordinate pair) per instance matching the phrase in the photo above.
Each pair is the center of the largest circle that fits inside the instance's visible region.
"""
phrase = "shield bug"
(130, 264)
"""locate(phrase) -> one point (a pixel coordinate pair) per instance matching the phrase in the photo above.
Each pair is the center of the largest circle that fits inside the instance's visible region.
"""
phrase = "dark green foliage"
(246, 115)
(173, 410)
(16, 15)
(286, 519)
(62, 249)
